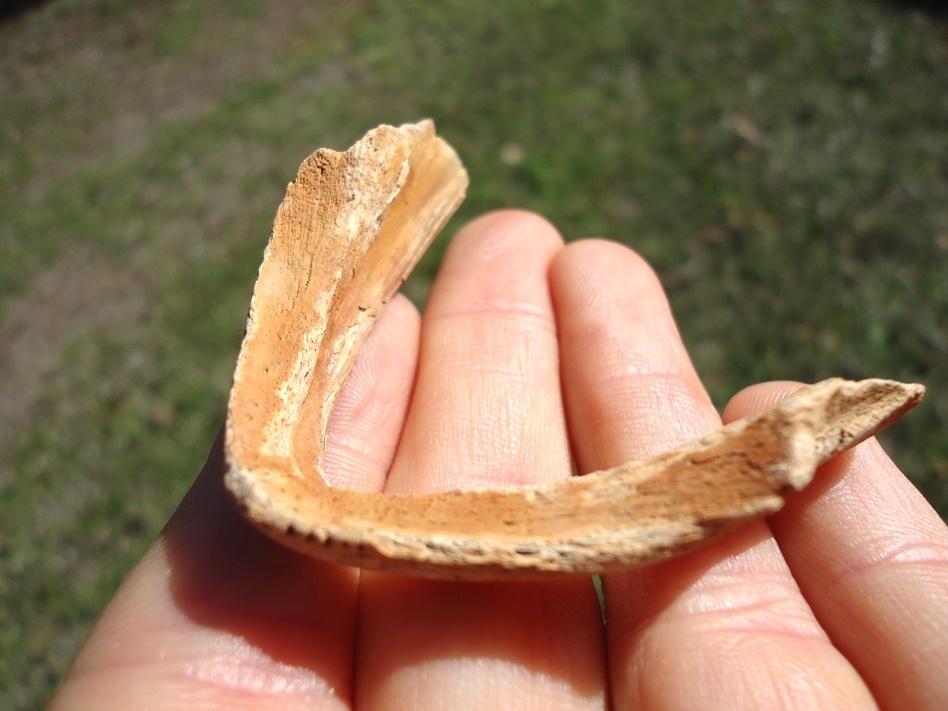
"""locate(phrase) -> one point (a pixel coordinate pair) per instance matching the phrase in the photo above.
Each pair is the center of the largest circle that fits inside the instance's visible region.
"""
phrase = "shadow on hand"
(229, 577)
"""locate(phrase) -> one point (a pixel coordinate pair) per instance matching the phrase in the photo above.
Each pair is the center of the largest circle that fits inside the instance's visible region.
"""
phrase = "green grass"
(783, 165)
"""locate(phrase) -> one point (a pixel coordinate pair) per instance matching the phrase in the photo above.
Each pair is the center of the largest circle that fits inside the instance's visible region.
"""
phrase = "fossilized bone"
(348, 232)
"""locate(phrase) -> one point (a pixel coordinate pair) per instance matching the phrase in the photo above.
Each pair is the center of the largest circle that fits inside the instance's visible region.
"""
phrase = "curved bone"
(348, 232)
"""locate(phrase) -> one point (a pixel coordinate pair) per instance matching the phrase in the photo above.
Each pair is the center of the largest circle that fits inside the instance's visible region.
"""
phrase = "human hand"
(532, 355)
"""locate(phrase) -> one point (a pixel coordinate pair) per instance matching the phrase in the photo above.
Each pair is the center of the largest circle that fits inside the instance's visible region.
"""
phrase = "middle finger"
(486, 411)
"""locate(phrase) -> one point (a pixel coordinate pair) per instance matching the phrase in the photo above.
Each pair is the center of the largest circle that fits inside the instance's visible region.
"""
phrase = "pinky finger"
(871, 557)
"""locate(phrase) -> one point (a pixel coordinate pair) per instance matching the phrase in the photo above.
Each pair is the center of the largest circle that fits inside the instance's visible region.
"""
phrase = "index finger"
(218, 615)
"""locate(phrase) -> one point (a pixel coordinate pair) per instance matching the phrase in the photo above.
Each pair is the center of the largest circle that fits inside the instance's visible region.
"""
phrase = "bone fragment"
(348, 232)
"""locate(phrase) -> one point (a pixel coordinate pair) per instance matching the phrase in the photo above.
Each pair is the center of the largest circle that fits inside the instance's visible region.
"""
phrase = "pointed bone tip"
(875, 390)
(910, 394)
(845, 413)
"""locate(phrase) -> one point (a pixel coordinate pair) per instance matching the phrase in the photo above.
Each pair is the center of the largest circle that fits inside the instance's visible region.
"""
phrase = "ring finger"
(725, 626)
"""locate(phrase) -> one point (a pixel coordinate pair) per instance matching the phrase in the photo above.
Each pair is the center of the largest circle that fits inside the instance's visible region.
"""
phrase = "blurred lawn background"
(783, 164)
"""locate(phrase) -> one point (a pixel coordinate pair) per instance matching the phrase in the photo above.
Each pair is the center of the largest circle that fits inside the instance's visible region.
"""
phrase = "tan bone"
(348, 232)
